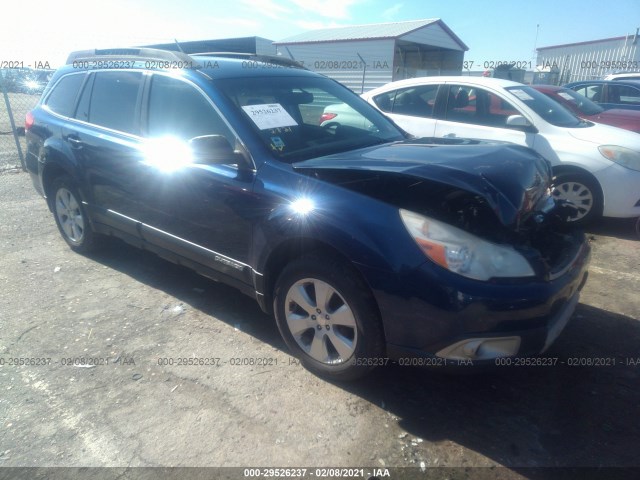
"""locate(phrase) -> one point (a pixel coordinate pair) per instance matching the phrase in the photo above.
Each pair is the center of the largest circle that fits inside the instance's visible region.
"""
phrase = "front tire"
(583, 192)
(71, 217)
(328, 318)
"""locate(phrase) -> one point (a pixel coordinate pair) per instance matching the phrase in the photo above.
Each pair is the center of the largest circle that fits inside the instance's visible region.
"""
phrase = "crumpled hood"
(512, 179)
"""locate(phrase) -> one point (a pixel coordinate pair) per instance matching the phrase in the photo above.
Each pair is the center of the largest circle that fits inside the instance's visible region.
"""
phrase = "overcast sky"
(494, 30)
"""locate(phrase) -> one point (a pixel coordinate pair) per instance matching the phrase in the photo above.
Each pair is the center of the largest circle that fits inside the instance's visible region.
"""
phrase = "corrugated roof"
(359, 32)
(588, 42)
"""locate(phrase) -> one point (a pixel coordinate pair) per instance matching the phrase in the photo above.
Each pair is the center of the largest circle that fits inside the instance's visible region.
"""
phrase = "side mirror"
(518, 122)
(213, 149)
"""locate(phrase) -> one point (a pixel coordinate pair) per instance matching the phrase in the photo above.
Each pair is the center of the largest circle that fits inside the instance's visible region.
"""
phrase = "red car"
(585, 108)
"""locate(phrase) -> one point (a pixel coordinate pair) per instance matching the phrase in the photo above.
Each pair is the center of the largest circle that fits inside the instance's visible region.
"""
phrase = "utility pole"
(535, 43)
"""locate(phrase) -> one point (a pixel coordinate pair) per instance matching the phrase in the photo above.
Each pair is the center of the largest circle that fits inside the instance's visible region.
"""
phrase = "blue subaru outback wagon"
(365, 244)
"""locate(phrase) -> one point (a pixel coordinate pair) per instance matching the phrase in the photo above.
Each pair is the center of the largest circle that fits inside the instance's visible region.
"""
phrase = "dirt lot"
(135, 314)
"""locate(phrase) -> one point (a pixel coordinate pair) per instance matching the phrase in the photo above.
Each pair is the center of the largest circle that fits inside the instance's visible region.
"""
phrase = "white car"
(342, 114)
(597, 166)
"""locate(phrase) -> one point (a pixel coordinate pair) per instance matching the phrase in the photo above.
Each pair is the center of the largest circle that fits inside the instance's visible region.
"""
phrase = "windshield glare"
(302, 117)
(548, 109)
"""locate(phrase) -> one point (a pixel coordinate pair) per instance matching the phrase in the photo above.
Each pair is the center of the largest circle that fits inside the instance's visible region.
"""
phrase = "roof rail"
(129, 53)
(284, 61)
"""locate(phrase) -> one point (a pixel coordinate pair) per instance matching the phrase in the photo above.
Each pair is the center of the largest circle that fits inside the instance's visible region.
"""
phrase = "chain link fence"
(18, 94)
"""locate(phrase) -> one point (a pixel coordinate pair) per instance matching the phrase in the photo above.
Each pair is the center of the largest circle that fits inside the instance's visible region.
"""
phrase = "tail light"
(325, 117)
(28, 121)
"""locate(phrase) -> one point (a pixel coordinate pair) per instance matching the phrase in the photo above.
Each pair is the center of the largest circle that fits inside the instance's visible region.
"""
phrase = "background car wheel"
(328, 318)
(583, 192)
(71, 216)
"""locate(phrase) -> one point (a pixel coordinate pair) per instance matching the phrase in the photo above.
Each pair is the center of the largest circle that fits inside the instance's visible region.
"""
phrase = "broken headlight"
(462, 252)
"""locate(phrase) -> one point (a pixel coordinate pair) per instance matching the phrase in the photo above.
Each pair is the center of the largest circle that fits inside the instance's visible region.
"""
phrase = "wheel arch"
(57, 160)
(294, 248)
(54, 169)
(572, 169)
(565, 169)
(365, 335)
(50, 172)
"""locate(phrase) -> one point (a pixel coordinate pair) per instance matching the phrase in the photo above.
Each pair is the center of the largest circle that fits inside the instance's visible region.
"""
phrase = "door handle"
(74, 141)
(449, 135)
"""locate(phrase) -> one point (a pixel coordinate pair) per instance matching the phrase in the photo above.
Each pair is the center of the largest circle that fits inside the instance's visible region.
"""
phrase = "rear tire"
(71, 216)
(328, 318)
(582, 191)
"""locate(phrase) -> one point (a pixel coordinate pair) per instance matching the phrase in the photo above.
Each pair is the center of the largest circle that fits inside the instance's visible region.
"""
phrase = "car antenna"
(178, 45)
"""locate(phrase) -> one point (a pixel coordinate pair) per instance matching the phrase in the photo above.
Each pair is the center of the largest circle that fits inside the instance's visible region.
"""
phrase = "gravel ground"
(137, 316)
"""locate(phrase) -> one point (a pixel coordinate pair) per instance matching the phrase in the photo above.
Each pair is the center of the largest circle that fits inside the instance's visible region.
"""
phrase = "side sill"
(172, 257)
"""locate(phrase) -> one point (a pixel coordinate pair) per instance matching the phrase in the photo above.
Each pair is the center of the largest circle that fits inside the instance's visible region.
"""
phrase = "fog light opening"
(481, 348)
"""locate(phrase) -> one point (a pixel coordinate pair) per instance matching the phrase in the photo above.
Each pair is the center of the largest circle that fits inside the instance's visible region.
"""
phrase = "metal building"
(590, 60)
(363, 57)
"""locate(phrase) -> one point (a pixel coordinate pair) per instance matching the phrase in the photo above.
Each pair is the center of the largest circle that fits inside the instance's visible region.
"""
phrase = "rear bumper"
(37, 183)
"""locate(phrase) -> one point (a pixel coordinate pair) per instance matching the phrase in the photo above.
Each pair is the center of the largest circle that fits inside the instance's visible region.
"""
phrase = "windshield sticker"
(566, 96)
(522, 95)
(277, 144)
(269, 115)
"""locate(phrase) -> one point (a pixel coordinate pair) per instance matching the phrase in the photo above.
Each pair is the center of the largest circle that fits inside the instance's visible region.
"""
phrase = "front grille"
(558, 250)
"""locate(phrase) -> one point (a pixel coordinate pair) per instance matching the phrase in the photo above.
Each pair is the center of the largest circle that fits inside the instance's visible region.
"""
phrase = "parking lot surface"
(122, 359)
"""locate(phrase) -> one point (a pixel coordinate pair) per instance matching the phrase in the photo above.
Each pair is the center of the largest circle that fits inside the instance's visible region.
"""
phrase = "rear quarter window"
(62, 98)
(415, 101)
(592, 92)
(385, 100)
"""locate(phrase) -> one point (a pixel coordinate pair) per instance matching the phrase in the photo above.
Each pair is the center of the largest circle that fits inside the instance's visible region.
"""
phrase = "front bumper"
(433, 313)
(621, 187)
(482, 348)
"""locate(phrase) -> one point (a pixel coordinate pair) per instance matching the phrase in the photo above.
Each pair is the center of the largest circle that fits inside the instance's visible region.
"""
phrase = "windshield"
(301, 117)
(580, 102)
(548, 109)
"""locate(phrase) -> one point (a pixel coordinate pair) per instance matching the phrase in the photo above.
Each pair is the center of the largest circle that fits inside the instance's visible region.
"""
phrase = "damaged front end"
(502, 269)
(542, 234)
(484, 211)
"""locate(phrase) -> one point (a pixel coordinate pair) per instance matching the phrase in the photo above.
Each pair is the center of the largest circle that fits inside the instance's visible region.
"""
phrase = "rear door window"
(114, 100)
(624, 94)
